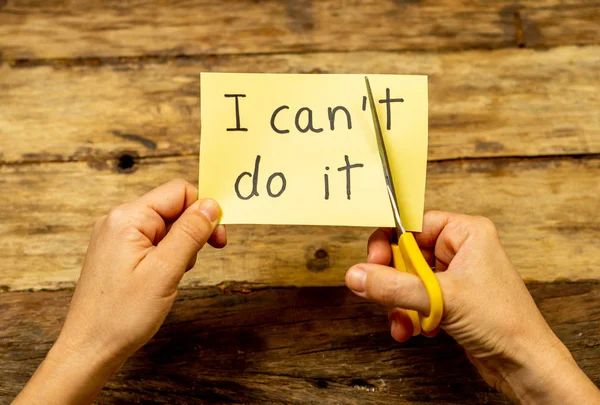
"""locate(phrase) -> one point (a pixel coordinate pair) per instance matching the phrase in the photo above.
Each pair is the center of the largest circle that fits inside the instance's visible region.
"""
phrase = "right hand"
(487, 308)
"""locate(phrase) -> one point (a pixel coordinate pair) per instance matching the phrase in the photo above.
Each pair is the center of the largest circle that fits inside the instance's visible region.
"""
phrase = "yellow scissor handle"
(407, 257)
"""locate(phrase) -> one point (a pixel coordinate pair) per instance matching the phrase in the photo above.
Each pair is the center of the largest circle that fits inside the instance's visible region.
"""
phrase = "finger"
(445, 232)
(433, 224)
(171, 199)
(431, 334)
(401, 326)
(151, 213)
(388, 286)
(379, 250)
(192, 263)
(138, 216)
(166, 230)
(186, 237)
(429, 256)
(218, 239)
(440, 265)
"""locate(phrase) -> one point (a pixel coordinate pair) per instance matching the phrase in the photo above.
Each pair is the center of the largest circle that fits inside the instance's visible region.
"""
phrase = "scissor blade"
(384, 160)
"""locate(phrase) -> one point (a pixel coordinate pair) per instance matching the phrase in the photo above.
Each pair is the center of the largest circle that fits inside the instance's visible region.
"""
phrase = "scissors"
(406, 255)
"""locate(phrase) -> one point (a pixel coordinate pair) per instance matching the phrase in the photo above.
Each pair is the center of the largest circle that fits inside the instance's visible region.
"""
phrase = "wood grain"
(91, 28)
(501, 103)
(87, 86)
(545, 209)
(308, 345)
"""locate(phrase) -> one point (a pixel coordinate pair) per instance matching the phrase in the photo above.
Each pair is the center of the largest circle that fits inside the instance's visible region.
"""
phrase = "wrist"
(532, 378)
(85, 359)
(550, 375)
(69, 375)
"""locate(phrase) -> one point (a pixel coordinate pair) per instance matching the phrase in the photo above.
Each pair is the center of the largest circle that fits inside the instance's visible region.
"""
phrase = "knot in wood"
(126, 162)
(319, 260)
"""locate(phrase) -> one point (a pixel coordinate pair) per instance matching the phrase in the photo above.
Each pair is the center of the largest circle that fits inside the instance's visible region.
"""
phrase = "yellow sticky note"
(301, 149)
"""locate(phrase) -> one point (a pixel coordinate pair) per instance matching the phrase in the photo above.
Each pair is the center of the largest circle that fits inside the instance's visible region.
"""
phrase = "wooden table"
(99, 103)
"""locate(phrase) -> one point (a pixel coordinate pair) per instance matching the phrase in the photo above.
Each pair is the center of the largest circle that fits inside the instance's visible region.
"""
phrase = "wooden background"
(99, 103)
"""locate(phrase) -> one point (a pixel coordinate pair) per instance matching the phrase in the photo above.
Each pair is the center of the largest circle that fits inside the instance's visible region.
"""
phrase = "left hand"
(136, 258)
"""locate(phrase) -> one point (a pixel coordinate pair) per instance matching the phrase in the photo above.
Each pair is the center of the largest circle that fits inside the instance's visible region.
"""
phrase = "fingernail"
(210, 209)
(357, 279)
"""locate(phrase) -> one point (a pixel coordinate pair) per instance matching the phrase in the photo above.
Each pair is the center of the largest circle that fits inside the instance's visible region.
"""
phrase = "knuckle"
(197, 231)
(142, 215)
(458, 227)
(180, 182)
(390, 292)
(99, 222)
(486, 225)
(127, 216)
(117, 217)
(387, 295)
(399, 291)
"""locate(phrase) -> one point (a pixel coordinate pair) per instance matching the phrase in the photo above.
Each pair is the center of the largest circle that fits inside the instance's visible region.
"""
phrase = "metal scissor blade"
(384, 161)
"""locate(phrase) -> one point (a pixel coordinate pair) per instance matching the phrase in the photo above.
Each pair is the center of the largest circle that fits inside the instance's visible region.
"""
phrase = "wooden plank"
(501, 103)
(545, 209)
(88, 28)
(309, 345)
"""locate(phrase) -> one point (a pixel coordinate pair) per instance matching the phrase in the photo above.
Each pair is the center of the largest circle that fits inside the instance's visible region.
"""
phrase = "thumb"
(388, 287)
(187, 236)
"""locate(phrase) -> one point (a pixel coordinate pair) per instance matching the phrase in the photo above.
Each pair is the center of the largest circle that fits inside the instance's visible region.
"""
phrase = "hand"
(487, 308)
(136, 258)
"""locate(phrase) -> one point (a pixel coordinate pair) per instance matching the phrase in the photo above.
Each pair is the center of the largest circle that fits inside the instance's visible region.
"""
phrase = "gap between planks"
(504, 103)
(75, 159)
(93, 61)
(68, 30)
(244, 288)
